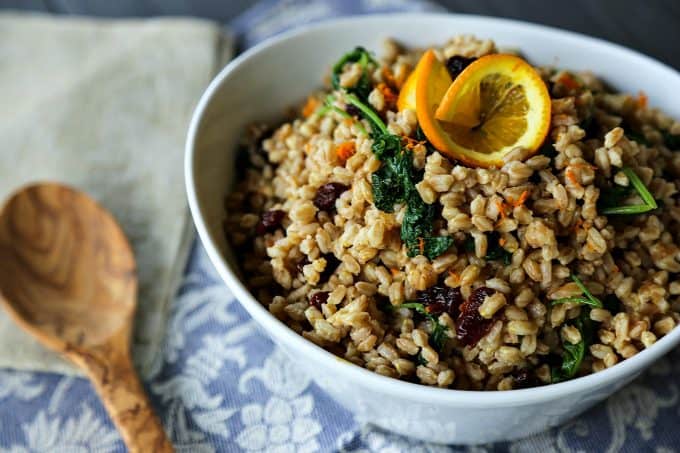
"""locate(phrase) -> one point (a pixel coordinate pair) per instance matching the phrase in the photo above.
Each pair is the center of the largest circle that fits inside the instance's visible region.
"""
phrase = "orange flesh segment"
(407, 94)
(497, 103)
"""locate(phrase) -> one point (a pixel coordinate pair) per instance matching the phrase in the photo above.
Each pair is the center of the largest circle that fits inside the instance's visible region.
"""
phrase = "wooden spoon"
(67, 276)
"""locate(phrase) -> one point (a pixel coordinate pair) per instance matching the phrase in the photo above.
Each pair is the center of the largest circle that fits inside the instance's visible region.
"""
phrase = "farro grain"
(491, 305)
(522, 327)
(404, 367)
(664, 325)
(647, 338)
(426, 375)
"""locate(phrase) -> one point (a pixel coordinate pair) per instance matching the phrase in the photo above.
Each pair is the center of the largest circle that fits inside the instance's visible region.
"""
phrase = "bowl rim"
(281, 333)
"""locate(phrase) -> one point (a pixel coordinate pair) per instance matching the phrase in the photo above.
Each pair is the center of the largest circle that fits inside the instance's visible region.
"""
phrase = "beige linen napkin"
(104, 106)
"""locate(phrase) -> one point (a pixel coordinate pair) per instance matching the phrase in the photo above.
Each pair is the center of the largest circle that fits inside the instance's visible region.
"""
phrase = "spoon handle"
(124, 397)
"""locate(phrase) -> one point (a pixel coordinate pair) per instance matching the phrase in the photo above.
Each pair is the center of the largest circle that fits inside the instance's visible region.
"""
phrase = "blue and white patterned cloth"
(224, 386)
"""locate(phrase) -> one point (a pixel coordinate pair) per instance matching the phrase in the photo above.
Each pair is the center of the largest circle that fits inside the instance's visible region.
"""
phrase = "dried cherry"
(327, 194)
(470, 325)
(440, 299)
(270, 221)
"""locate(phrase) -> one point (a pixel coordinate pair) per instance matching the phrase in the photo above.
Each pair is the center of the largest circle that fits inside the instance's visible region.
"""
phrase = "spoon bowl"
(49, 234)
(68, 277)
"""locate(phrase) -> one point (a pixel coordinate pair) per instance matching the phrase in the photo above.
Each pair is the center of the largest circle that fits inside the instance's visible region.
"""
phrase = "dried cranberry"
(441, 299)
(352, 110)
(270, 221)
(524, 379)
(318, 299)
(327, 194)
(456, 64)
(471, 326)
(332, 264)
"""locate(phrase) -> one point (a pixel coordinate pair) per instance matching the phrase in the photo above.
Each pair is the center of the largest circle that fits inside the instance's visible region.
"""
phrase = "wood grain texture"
(67, 275)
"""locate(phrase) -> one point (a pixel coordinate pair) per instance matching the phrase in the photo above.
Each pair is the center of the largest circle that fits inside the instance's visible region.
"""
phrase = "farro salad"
(457, 217)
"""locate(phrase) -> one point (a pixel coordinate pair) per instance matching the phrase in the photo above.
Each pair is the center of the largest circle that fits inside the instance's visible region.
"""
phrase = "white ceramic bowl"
(276, 74)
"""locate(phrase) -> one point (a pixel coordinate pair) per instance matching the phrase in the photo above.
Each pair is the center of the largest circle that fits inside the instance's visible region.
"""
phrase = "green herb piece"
(386, 189)
(420, 360)
(370, 115)
(574, 300)
(436, 245)
(592, 300)
(417, 222)
(649, 204)
(438, 336)
(359, 55)
(392, 181)
(395, 182)
(572, 357)
(417, 306)
(573, 354)
(628, 210)
(640, 187)
(329, 106)
(494, 250)
(416, 228)
(385, 146)
(671, 141)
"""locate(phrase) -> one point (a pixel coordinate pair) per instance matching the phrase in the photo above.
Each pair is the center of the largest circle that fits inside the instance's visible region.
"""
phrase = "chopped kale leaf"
(363, 87)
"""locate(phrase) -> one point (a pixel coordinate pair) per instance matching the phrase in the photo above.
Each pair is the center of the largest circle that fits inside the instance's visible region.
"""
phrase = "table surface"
(223, 386)
(648, 26)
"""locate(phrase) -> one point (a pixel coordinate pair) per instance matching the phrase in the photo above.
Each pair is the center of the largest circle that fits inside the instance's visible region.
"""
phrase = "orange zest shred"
(389, 95)
(522, 199)
(571, 177)
(421, 245)
(345, 150)
(454, 276)
(583, 165)
(388, 75)
(411, 143)
(501, 208)
(502, 241)
(578, 224)
(310, 106)
(394, 271)
(569, 81)
(642, 100)
(395, 82)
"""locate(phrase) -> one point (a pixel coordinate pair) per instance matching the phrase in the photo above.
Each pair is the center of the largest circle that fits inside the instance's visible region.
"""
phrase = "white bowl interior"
(262, 83)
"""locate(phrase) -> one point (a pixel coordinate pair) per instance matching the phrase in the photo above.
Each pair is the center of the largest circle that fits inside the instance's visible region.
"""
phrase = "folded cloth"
(104, 106)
